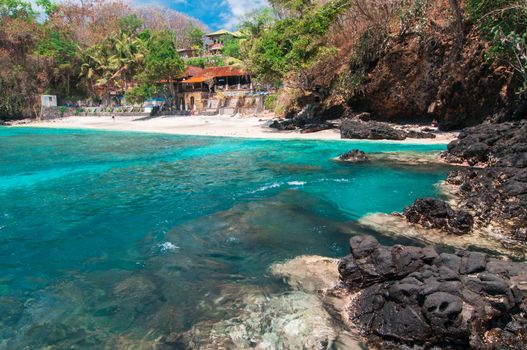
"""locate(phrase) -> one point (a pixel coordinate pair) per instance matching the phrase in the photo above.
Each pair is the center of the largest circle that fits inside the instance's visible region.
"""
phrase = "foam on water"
(168, 246)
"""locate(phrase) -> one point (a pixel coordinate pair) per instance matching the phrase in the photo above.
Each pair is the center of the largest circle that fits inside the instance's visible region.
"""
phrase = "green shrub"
(504, 24)
(270, 102)
(62, 111)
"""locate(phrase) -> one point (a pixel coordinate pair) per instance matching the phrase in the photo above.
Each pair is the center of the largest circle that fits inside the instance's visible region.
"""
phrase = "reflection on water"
(112, 240)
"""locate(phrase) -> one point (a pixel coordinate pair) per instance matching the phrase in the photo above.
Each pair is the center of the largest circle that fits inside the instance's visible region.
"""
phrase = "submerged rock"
(313, 274)
(435, 213)
(293, 321)
(411, 296)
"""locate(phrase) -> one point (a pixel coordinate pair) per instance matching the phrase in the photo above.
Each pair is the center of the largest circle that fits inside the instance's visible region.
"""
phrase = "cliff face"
(437, 70)
(428, 79)
(442, 76)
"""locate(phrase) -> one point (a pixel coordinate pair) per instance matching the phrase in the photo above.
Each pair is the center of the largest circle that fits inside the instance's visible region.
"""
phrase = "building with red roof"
(198, 87)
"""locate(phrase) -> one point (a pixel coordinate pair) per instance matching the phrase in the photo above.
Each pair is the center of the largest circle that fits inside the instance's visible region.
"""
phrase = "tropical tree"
(162, 61)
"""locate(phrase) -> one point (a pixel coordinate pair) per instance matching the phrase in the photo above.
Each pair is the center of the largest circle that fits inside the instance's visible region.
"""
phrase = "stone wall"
(48, 113)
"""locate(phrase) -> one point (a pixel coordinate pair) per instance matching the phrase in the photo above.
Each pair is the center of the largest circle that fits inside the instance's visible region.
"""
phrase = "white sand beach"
(244, 127)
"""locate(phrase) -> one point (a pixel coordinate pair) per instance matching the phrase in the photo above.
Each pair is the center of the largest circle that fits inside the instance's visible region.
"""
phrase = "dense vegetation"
(86, 50)
(328, 48)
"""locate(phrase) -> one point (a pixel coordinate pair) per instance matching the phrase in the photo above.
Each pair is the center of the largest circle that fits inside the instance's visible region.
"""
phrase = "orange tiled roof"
(195, 80)
(215, 72)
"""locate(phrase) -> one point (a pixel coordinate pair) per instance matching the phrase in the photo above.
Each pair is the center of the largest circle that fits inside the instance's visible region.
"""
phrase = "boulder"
(283, 125)
(412, 134)
(356, 129)
(413, 297)
(437, 214)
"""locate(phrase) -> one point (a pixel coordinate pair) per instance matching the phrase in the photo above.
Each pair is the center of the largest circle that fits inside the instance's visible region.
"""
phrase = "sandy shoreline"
(246, 127)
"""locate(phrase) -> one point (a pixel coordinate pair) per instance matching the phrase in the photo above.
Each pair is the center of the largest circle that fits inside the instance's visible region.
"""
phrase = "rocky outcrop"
(283, 125)
(493, 191)
(356, 129)
(435, 213)
(291, 124)
(419, 298)
(499, 145)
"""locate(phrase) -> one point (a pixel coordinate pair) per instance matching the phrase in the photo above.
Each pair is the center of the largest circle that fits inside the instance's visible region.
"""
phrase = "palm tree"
(127, 58)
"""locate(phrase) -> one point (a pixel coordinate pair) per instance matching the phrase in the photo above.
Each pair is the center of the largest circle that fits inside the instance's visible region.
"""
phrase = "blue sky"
(216, 14)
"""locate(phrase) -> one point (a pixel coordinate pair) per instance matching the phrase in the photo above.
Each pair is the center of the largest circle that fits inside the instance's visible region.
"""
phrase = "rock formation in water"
(360, 127)
(356, 129)
(435, 213)
(495, 196)
(354, 156)
(417, 298)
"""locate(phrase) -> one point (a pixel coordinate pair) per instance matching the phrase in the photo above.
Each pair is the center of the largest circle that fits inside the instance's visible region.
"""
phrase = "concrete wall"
(200, 99)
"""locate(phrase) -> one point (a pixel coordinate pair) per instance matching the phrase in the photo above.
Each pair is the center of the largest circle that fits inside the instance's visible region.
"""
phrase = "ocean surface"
(107, 236)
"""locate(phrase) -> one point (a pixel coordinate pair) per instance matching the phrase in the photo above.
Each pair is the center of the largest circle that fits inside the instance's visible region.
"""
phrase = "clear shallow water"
(106, 235)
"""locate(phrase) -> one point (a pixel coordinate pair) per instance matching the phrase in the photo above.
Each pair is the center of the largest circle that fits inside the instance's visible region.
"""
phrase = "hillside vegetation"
(85, 50)
(452, 60)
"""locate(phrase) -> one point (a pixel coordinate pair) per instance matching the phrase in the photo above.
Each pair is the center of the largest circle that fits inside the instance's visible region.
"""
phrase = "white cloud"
(241, 8)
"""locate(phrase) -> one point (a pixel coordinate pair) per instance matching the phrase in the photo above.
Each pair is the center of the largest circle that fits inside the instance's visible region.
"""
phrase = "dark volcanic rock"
(354, 156)
(412, 134)
(435, 213)
(283, 125)
(416, 298)
(496, 195)
(502, 145)
(356, 129)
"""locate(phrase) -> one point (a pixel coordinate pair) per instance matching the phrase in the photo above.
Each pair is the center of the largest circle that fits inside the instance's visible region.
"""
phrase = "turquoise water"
(102, 232)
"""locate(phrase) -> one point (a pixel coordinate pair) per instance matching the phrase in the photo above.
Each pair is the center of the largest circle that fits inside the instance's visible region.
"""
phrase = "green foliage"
(58, 47)
(231, 47)
(162, 60)
(270, 102)
(292, 7)
(194, 35)
(257, 21)
(412, 11)
(16, 9)
(517, 44)
(130, 24)
(208, 61)
(508, 15)
(504, 23)
(290, 44)
(49, 7)
(141, 93)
